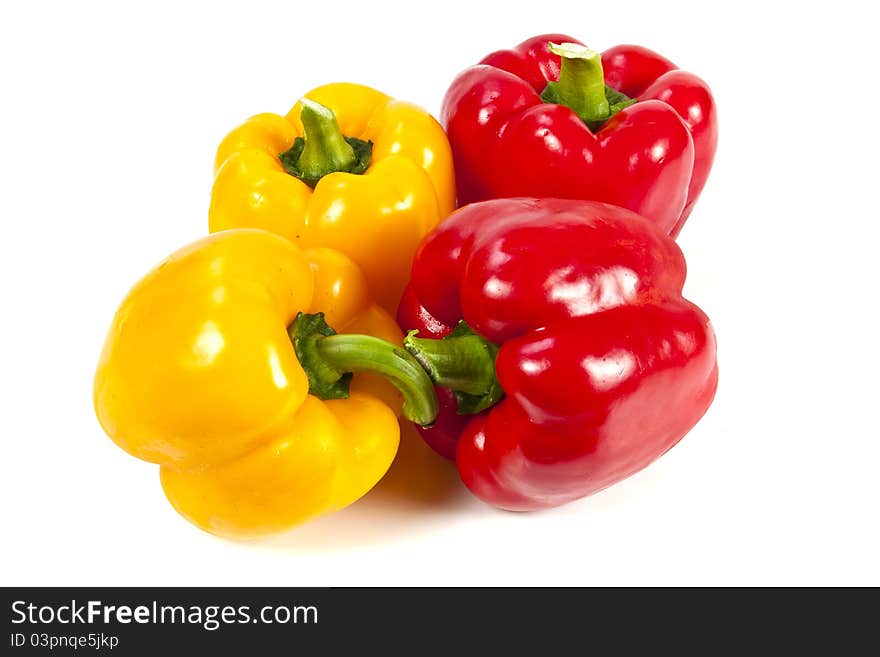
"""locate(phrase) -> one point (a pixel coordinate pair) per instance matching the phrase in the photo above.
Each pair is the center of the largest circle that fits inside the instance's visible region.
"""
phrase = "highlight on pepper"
(223, 367)
(347, 168)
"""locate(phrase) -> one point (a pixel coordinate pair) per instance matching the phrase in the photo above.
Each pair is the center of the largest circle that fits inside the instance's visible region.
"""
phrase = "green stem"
(329, 360)
(582, 87)
(581, 83)
(323, 149)
(464, 362)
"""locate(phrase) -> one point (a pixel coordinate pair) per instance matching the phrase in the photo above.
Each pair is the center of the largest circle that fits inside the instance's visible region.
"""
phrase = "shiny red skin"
(605, 366)
(653, 157)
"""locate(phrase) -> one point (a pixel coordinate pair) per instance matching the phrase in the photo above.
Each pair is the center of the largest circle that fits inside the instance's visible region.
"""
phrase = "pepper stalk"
(581, 85)
(462, 361)
(329, 359)
(323, 149)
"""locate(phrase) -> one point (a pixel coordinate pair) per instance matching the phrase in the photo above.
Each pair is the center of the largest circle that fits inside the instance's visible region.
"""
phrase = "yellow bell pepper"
(212, 370)
(348, 168)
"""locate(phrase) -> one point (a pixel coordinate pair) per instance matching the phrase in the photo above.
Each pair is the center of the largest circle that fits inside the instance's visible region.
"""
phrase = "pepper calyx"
(463, 362)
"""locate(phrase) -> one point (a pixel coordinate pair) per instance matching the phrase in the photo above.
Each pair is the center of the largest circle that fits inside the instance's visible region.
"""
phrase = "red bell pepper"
(532, 121)
(577, 363)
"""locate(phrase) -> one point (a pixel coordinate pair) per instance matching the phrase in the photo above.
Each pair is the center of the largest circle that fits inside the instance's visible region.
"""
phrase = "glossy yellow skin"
(377, 218)
(199, 375)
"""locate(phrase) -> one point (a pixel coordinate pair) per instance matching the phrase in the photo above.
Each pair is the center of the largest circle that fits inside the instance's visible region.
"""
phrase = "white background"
(109, 118)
